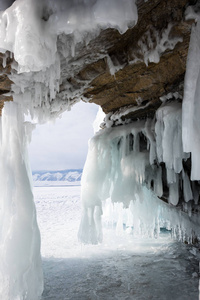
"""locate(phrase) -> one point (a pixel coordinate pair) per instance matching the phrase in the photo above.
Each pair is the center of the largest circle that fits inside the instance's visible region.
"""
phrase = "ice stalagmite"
(20, 268)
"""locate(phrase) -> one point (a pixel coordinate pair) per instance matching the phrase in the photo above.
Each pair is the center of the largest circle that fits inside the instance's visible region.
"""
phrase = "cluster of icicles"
(127, 162)
(136, 164)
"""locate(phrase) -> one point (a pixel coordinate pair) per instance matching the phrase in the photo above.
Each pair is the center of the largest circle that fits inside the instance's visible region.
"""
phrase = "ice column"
(90, 227)
(191, 103)
(20, 262)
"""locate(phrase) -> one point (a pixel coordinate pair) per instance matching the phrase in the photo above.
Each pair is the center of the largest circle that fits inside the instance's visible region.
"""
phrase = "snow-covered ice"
(122, 267)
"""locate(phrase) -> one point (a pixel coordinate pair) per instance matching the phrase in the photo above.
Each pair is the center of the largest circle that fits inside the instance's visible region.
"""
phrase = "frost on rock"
(125, 164)
(153, 44)
(20, 269)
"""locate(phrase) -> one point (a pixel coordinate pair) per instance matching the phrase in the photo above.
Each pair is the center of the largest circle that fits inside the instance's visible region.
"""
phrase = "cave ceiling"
(149, 62)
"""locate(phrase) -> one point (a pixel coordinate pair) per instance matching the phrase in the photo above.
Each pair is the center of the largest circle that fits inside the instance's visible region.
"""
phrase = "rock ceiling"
(136, 82)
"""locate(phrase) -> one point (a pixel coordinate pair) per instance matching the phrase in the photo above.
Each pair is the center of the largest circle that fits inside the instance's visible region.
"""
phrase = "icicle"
(174, 192)
(119, 161)
(191, 103)
(158, 186)
(4, 60)
(186, 187)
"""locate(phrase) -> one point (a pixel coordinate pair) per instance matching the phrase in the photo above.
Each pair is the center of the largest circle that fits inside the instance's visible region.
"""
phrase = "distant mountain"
(53, 178)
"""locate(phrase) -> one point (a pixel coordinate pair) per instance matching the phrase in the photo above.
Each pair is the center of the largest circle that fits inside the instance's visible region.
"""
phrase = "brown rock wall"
(5, 82)
(136, 80)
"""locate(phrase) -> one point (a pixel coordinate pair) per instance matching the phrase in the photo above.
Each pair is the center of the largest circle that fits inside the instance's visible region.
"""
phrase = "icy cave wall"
(141, 164)
(150, 139)
(131, 62)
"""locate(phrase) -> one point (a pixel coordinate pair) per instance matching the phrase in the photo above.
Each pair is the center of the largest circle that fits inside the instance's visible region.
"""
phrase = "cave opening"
(57, 155)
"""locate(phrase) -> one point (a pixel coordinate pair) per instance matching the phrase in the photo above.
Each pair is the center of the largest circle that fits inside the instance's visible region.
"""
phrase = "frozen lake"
(122, 267)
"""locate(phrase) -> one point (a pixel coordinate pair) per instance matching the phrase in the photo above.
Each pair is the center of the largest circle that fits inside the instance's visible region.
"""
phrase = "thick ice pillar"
(90, 227)
(191, 103)
(20, 262)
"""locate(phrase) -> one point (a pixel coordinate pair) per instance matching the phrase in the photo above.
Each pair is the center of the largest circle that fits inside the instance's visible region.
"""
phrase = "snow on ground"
(120, 268)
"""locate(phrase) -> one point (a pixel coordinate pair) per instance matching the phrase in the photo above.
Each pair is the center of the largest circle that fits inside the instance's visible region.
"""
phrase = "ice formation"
(29, 28)
(151, 50)
(43, 37)
(130, 160)
(125, 163)
(191, 104)
(152, 44)
(20, 268)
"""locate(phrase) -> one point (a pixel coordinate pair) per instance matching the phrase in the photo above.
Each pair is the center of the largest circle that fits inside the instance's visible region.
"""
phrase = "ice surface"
(123, 266)
(20, 269)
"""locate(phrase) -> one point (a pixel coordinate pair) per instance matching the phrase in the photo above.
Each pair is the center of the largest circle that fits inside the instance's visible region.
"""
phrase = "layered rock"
(151, 57)
(5, 82)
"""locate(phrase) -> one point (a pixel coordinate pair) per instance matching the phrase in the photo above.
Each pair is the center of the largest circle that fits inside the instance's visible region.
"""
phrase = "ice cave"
(139, 60)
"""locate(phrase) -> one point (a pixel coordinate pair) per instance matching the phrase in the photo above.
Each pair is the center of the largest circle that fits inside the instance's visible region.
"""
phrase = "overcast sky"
(5, 4)
(63, 145)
